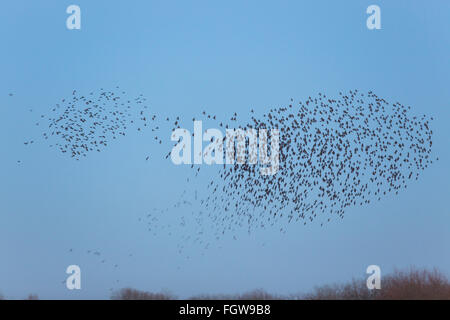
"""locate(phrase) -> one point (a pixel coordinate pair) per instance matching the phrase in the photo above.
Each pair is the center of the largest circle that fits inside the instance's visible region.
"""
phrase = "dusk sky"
(223, 57)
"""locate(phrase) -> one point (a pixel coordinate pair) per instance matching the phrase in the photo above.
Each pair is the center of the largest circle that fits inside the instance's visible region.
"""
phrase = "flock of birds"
(81, 124)
(334, 153)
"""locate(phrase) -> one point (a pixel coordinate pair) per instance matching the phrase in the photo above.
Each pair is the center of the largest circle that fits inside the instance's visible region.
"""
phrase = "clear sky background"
(224, 57)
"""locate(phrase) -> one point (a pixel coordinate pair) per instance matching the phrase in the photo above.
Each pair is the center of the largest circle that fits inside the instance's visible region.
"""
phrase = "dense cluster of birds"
(81, 124)
(333, 153)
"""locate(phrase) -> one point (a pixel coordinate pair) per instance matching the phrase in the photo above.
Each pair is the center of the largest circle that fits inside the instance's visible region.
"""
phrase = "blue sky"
(185, 57)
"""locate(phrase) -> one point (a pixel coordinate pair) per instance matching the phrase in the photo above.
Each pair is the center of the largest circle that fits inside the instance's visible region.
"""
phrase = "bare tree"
(133, 294)
(412, 284)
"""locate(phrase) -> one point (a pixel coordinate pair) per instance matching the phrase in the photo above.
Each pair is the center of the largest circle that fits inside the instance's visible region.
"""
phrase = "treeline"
(412, 284)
